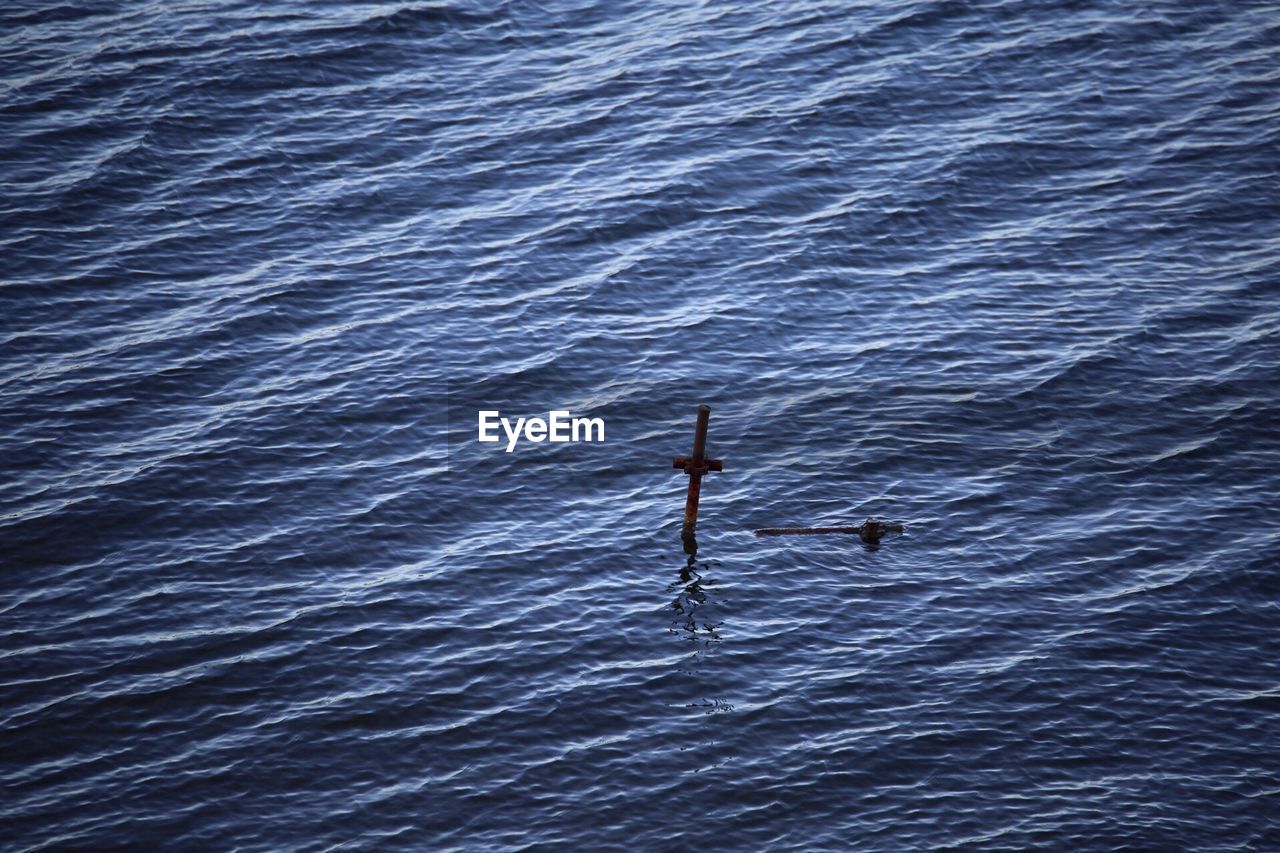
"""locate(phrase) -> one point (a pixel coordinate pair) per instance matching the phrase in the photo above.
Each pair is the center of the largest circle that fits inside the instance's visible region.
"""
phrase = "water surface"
(1004, 272)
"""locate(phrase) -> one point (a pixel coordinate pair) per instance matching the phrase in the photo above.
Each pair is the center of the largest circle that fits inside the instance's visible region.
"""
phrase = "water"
(1004, 272)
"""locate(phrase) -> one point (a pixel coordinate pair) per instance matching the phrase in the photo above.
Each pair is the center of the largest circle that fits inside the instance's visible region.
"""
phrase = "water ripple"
(1005, 274)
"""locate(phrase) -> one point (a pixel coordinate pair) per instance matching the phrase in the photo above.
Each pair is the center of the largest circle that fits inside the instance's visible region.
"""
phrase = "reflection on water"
(691, 597)
(695, 621)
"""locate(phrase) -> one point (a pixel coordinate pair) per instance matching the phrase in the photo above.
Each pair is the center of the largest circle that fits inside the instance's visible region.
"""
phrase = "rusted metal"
(870, 531)
(695, 466)
(805, 531)
(682, 462)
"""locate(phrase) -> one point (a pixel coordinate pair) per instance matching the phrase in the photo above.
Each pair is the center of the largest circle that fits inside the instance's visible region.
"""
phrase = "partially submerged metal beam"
(869, 531)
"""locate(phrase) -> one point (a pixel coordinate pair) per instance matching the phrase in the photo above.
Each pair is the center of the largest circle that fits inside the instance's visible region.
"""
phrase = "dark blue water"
(1006, 272)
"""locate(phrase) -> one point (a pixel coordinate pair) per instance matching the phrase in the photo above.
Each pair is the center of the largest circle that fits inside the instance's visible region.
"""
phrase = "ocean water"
(1005, 272)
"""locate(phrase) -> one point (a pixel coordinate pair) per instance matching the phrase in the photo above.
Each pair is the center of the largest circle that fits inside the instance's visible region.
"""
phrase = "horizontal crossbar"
(709, 464)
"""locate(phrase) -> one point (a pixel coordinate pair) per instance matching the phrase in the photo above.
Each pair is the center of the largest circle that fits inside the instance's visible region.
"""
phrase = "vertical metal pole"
(695, 476)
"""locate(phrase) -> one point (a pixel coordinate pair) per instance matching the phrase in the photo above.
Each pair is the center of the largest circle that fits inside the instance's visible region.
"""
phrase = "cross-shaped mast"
(695, 466)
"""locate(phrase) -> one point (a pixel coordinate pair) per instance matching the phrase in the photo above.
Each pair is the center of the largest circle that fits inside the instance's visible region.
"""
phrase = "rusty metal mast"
(695, 466)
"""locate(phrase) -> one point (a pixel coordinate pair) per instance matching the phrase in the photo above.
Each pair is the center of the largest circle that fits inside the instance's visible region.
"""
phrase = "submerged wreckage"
(870, 531)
